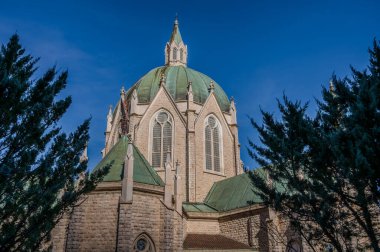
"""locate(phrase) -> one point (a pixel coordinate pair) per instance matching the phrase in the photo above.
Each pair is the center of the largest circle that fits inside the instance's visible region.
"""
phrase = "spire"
(109, 112)
(109, 120)
(212, 87)
(176, 34)
(175, 49)
(84, 156)
(162, 80)
(190, 96)
(233, 111)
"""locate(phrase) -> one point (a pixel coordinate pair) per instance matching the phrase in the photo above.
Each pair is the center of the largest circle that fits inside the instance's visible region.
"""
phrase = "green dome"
(177, 79)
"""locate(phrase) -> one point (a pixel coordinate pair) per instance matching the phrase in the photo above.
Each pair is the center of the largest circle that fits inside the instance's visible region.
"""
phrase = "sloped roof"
(176, 35)
(142, 171)
(232, 193)
(212, 242)
(198, 207)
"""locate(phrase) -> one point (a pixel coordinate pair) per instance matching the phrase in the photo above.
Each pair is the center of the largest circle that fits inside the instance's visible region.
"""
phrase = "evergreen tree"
(41, 175)
(324, 171)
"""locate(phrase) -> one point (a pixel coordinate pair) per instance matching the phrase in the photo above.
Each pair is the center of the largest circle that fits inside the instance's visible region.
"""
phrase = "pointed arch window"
(174, 53)
(181, 54)
(213, 144)
(162, 136)
(143, 243)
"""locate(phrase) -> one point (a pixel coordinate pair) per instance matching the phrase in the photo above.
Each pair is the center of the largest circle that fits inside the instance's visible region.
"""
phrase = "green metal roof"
(176, 35)
(198, 207)
(177, 79)
(142, 171)
(232, 193)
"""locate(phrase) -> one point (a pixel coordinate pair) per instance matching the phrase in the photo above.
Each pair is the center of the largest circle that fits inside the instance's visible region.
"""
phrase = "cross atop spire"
(175, 49)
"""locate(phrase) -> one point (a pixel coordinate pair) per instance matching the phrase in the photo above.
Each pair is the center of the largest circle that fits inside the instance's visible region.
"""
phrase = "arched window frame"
(220, 135)
(150, 247)
(163, 152)
(181, 54)
(175, 51)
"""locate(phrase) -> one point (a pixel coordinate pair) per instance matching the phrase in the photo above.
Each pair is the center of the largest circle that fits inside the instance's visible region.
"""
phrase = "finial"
(176, 18)
(110, 110)
(162, 79)
(122, 90)
(129, 137)
(212, 86)
(190, 86)
(177, 168)
(168, 156)
(232, 99)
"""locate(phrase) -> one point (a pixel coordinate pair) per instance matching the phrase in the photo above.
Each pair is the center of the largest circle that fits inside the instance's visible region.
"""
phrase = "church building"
(176, 181)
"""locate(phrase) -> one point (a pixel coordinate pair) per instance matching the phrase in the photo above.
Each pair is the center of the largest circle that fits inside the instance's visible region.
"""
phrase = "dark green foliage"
(39, 165)
(325, 170)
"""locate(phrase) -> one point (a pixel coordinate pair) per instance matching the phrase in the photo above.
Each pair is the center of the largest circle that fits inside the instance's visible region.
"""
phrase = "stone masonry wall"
(59, 234)
(203, 226)
(140, 217)
(171, 233)
(93, 223)
(238, 228)
(101, 223)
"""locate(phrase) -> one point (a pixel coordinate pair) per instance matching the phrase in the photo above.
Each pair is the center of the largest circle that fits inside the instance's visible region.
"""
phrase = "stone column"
(178, 189)
(234, 130)
(134, 117)
(127, 182)
(169, 182)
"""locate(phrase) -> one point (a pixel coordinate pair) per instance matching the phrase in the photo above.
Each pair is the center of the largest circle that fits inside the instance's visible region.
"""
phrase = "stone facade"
(247, 228)
(117, 213)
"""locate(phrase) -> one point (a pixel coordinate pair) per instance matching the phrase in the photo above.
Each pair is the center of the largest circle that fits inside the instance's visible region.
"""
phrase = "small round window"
(141, 244)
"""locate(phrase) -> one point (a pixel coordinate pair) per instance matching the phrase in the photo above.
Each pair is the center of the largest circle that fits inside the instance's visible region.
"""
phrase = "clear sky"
(255, 50)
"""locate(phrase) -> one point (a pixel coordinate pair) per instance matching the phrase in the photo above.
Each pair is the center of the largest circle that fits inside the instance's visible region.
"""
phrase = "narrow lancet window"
(181, 55)
(212, 144)
(174, 53)
(162, 132)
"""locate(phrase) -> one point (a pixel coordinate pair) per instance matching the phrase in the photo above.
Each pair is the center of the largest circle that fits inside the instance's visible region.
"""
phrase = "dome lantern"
(175, 49)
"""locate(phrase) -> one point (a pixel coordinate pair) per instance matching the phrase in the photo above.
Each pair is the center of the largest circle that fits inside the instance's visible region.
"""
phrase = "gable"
(142, 171)
(211, 106)
(165, 101)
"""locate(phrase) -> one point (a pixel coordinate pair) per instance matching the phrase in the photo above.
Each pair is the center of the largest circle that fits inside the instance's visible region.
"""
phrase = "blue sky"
(255, 50)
